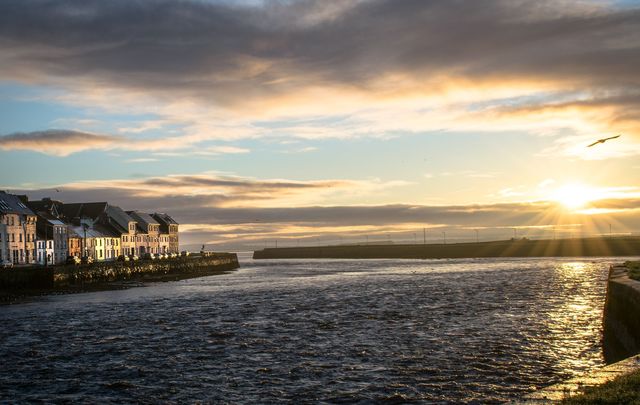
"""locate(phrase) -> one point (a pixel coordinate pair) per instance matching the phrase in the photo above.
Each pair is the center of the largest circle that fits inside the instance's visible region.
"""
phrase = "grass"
(634, 270)
(622, 390)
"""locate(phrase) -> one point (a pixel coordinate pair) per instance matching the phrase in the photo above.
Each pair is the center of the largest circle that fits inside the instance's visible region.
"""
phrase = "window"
(20, 237)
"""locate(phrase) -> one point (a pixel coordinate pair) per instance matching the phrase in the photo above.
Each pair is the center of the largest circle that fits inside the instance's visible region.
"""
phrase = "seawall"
(593, 247)
(70, 276)
(621, 323)
(621, 341)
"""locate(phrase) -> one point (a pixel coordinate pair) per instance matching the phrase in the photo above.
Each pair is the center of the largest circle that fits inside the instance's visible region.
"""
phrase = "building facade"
(148, 232)
(44, 252)
(49, 231)
(18, 236)
(168, 230)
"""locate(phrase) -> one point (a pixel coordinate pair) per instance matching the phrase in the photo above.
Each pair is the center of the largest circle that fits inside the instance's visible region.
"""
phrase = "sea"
(314, 331)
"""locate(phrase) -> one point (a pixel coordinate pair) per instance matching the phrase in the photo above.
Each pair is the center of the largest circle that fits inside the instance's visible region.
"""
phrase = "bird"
(57, 190)
(603, 140)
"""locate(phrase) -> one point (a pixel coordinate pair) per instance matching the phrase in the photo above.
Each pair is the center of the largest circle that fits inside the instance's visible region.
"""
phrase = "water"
(332, 331)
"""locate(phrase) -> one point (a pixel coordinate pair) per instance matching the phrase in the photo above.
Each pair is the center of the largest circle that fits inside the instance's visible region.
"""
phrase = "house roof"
(119, 219)
(46, 204)
(78, 210)
(46, 216)
(143, 218)
(11, 204)
(164, 218)
(96, 231)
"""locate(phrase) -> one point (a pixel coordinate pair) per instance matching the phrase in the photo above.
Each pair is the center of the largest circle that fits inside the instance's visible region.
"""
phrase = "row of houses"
(49, 231)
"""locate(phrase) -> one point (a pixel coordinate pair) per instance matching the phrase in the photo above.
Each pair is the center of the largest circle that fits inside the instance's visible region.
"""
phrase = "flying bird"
(603, 140)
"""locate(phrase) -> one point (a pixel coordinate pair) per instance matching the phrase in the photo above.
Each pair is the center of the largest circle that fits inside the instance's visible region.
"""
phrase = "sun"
(574, 196)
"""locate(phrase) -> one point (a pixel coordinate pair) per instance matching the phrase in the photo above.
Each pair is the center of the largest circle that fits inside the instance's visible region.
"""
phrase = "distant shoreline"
(589, 247)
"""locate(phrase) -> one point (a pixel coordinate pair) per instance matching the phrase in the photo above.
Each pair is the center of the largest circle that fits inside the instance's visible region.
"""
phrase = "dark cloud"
(232, 53)
(56, 142)
(217, 217)
(217, 210)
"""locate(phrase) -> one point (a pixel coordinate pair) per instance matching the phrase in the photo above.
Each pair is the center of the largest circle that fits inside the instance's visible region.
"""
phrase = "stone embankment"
(70, 277)
(621, 343)
(621, 315)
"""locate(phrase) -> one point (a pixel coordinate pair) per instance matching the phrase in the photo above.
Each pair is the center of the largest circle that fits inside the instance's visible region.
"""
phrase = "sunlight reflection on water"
(315, 330)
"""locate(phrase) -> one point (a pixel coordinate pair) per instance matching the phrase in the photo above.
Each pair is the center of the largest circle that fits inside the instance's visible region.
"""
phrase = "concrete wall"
(621, 316)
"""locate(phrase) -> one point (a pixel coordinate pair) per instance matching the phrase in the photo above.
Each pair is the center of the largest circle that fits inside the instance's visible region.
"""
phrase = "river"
(334, 331)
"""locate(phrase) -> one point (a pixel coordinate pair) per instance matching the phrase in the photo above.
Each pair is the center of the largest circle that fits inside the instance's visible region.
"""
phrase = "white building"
(45, 250)
(18, 231)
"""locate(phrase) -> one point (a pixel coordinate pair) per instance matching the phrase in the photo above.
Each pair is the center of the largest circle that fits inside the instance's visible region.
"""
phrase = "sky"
(322, 122)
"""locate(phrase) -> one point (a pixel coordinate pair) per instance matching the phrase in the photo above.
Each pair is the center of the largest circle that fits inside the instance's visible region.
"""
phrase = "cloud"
(142, 160)
(218, 150)
(57, 142)
(238, 211)
(64, 142)
(385, 65)
(213, 190)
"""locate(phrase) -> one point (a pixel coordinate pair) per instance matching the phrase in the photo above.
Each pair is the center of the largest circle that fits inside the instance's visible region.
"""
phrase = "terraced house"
(168, 233)
(148, 232)
(97, 230)
(17, 231)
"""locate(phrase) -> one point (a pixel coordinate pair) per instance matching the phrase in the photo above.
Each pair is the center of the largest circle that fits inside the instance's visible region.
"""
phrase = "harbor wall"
(621, 323)
(74, 276)
(593, 247)
(26, 278)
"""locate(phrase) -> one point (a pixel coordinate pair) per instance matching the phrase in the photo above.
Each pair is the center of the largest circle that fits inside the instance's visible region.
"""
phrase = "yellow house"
(99, 243)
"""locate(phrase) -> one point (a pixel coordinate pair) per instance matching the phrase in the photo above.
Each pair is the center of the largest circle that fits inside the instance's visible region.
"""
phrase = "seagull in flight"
(603, 140)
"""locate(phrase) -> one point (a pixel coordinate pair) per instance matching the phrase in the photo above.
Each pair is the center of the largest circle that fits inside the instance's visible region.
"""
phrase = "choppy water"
(314, 331)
